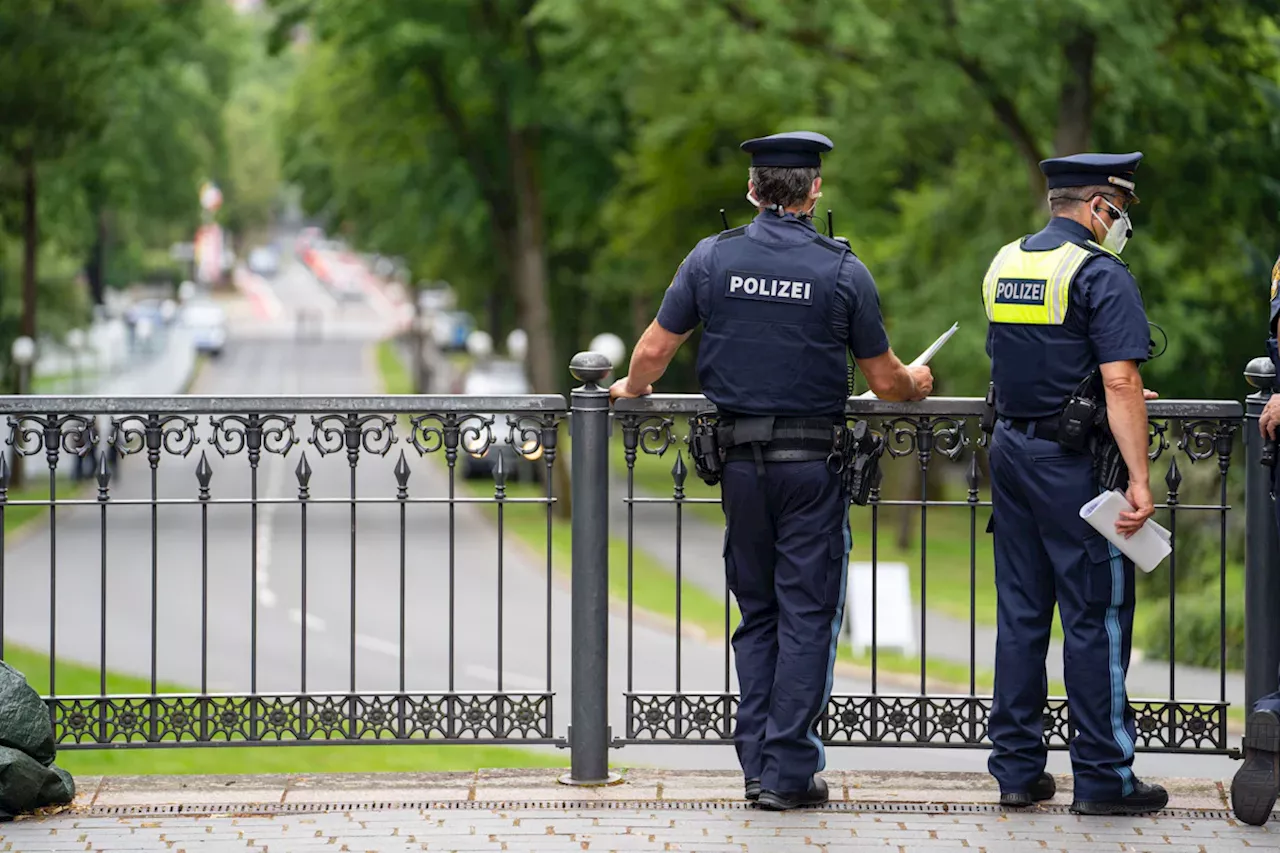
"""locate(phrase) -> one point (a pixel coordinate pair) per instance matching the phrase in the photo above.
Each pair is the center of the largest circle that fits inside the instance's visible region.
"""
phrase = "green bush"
(1198, 629)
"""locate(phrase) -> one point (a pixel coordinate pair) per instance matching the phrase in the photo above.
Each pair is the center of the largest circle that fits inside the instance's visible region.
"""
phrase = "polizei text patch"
(768, 288)
(1020, 291)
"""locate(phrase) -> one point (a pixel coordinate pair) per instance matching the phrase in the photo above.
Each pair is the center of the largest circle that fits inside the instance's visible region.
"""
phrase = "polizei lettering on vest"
(766, 288)
(1020, 291)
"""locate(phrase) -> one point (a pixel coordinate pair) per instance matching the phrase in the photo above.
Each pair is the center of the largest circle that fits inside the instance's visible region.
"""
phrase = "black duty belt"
(777, 439)
(1046, 428)
(779, 451)
(783, 429)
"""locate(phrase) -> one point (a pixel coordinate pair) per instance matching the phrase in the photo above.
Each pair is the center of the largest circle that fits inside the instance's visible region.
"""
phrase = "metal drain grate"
(201, 809)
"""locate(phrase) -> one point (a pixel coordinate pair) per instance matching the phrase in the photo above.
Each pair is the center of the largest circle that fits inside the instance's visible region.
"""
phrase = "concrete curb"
(541, 786)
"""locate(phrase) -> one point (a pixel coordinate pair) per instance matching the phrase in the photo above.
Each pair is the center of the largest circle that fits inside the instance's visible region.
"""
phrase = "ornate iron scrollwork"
(353, 432)
(925, 436)
(175, 434)
(528, 434)
(54, 434)
(272, 433)
(1157, 439)
(649, 434)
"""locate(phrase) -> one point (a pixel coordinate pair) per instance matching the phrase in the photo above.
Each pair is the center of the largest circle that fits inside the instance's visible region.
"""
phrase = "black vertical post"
(1262, 548)
(589, 704)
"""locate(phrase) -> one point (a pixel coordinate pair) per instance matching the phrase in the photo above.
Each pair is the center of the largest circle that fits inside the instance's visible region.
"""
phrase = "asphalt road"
(443, 646)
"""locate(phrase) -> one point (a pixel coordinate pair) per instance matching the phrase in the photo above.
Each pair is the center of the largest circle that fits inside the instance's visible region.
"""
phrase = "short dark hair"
(1065, 198)
(782, 185)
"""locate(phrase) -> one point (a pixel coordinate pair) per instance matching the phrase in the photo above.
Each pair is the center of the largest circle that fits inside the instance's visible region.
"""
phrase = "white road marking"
(266, 527)
(509, 679)
(314, 622)
(375, 644)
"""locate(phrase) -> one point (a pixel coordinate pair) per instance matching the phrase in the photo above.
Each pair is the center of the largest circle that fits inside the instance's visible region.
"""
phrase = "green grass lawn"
(395, 375)
(74, 679)
(37, 489)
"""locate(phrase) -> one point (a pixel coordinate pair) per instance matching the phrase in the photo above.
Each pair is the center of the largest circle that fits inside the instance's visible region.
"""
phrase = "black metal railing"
(940, 445)
(300, 570)
(166, 571)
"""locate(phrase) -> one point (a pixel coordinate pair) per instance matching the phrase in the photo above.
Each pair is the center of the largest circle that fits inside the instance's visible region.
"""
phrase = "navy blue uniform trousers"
(1045, 553)
(786, 557)
(1271, 702)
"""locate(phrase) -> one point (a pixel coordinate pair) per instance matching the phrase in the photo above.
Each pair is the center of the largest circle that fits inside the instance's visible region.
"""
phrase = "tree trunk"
(1075, 102)
(529, 277)
(30, 237)
(96, 271)
(530, 272)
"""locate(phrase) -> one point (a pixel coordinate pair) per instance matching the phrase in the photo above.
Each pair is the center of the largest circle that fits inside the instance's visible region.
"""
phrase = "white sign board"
(895, 616)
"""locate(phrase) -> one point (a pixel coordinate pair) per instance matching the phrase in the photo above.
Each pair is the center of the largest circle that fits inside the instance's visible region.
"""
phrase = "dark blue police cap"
(795, 150)
(1086, 170)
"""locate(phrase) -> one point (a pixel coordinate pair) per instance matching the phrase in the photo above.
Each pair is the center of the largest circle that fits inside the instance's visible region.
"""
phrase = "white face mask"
(756, 203)
(1118, 232)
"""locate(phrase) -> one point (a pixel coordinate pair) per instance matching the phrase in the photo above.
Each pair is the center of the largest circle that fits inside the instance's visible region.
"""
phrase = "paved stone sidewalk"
(527, 810)
(595, 829)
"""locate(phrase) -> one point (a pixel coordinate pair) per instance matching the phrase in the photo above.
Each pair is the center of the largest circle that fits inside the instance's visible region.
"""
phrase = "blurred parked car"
(451, 329)
(265, 261)
(498, 378)
(207, 323)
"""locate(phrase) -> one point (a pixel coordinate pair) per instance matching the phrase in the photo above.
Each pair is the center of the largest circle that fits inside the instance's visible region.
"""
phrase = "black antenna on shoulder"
(831, 229)
(724, 219)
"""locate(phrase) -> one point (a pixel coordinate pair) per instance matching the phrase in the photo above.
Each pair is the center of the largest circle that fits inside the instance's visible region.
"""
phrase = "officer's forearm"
(889, 378)
(1127, 416)
(652, 355)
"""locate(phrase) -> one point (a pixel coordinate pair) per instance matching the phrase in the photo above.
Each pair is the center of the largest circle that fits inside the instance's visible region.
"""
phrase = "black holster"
(988, 422)
(859, 452)
(704, 448)
(1109, 467)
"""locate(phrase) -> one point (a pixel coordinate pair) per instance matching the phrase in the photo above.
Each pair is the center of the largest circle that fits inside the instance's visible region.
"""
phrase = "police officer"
(1254, 788)
(1065, 317)
(781, 307)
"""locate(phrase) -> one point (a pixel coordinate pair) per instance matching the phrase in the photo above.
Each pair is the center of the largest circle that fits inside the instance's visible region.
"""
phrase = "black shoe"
(1253, 790)
(776, 802)
(1145, 798)
(753, 789)
(1042, 789)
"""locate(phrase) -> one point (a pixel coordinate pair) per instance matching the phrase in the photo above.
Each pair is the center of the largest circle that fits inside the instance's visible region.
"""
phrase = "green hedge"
(1199, 629)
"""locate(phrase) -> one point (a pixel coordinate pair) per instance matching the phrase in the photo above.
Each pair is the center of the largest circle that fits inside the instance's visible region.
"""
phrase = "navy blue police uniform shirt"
(1037, 368)
(855, 320)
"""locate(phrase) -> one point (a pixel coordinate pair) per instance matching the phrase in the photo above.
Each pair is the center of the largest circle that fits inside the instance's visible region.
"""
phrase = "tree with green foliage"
(110, 115)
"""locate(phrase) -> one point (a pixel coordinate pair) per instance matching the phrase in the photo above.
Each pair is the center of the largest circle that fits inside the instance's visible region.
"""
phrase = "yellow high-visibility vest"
(1033, 288)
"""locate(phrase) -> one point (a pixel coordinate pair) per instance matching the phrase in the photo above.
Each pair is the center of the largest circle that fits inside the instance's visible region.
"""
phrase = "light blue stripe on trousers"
(1115, 649)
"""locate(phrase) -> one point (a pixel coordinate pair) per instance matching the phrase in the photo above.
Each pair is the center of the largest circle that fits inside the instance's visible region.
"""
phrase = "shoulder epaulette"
(832, 245)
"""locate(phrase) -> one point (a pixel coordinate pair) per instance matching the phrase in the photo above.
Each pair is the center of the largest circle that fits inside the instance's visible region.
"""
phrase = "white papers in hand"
(924, 357)
(1147, 548)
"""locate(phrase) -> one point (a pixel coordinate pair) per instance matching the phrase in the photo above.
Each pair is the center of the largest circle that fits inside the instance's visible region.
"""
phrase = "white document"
(928, 354)
(1147, 548)
(895, 619)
